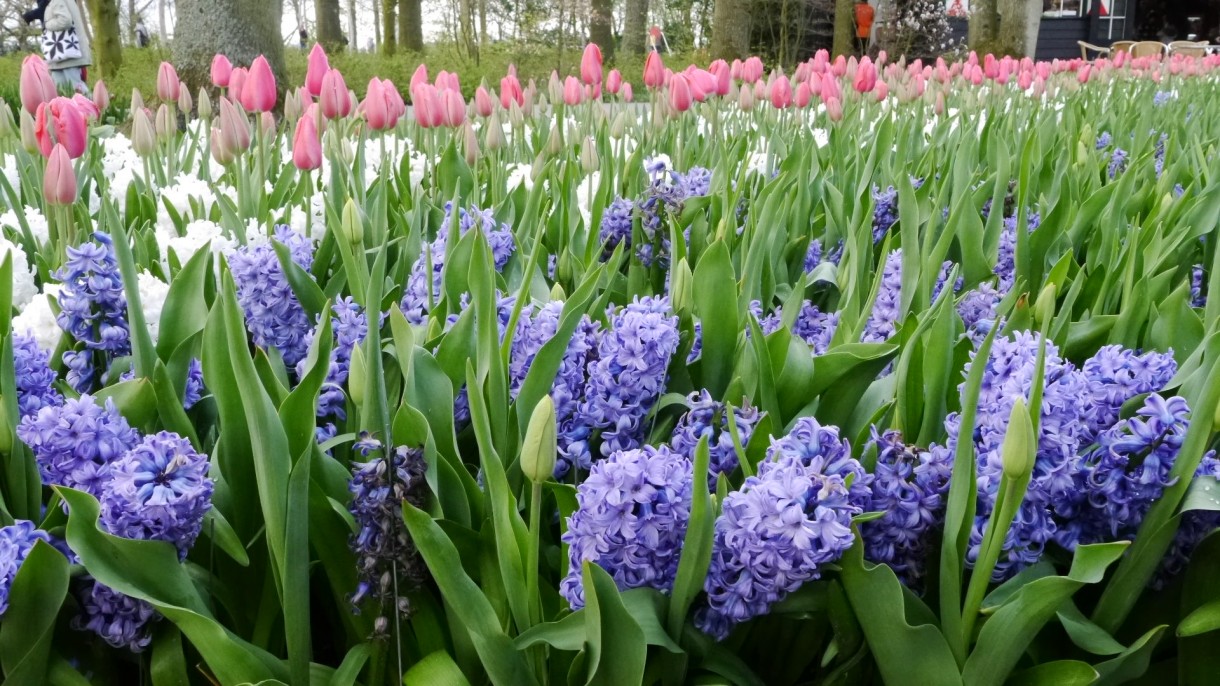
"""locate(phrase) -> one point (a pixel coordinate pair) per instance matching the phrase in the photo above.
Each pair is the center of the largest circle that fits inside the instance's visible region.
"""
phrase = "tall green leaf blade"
(614, 641)
(37, 592)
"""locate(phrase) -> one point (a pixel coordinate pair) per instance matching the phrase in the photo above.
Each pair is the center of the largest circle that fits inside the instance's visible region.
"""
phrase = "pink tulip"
(394, 101)
(625, 91)
(319, 67)
(448, 81)
(510, 92)
(333, 96)
(679, 93)
(976, 75)
(425, 99)
(834, 109)
(1024, 80)
(831, 89)
(306, 148)
(222, 70)
(591, 65)
(1082, 76)
(654, 70)
(881, 90)
(375, 106)
(614, 81)
(573, 94)
(702, 83)
(939, 106)
(59, 182)
(866, 76)
(86, 107)
(453, 107)
(839, 67)
(168, 83)
(237, 83)
(101, 97)
(781, 93)
(36, 84)
(420, 76)
(60, 122)
(803, 94)
(483, 104)
(723, 74)
(751, 69)
(234, 128)
(258, 93)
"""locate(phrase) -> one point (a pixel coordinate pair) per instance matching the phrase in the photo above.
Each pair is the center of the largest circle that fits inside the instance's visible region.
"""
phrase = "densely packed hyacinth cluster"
(274, 316)
(728, 430)
(92, 309)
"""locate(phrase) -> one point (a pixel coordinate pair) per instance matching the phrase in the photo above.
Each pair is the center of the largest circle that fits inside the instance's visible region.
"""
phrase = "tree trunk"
(601, 26)
(387, 26)
(131, 21)
(984, 27)
(635, 26)
(730, 30)
(845, 28)
(466, 26)
(482, 24)
(352, 35)
(329, 31)
(410, 25)
(239, 29)
(376, 27)
(1018, 32)
(107, 36)
(163, 23)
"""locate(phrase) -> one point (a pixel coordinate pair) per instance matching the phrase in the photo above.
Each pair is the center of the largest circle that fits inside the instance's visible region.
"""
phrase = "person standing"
(303, 34)
(65, 44)
(141, 34)
(864, 25)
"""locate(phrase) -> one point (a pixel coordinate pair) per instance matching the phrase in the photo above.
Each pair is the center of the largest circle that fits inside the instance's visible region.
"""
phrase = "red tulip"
(573, 94)
(626, 92)
(237, 83)
(258, 93)
(333, 97)
(36, 84)
(222, 70)
(781, 93)
(834, 109)
(61, 123)
(483, 104)
(306, 148)
(614, 81)
(723, 75)
(591, 65)
(59, 182)
(420, 76)
(453, 108)
(319, 67)
(679, 93)
(168, 84)
(654, 70)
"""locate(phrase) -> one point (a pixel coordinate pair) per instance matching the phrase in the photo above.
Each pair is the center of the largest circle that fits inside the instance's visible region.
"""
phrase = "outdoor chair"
(1086, 48)
(1121, 46)
(1147, 48)
(1188, 48)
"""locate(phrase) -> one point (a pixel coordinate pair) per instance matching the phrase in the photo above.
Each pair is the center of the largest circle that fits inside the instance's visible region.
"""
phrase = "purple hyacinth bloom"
(630, 520)
(666, 192)
(1104, 141)
(885, 211)
(817, 254)
(1006, 260)
(616, 225)
(883, 321)
(274, 316)
(159, 491)
(35, 380)
(629, 373)
(1158, 155)
(1118, 162)
(382, 545)
(1197, 279)
(707, 417)
(93, 308)
(16, 541)
(977, 309)
(75, 444)
(349, 326)
(1161, 97)
(194, 383)
(787, 521)
(426, 280)
(909, 486)
(1115, 375)
(812, 325)
(1195, 525)
(120, 620)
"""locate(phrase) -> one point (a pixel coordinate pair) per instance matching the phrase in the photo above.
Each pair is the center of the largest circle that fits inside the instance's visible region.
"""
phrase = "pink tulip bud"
(626, 92)
(334, 96)
(394, 101)
(803, 94)
(36, 84)
(834, 109)
(448, 81)
(164, 124)
(881, 90)
(831, 89)
(375, 106)
(101, 96)
(866, 76)
(679, 92)
(420, 76)
(234, 128)
(654, 70)
(591, 65)
(427, 101)
(60, 122)
(781, 93)
(573, 94)
(59, 182)
(237, 83)
(454, 107)
(735, 69)
(510, 92)
(306, 147)
(483, 103)
(185, 102)
(614, 81)
(168, 84)
(745, 98)
(839, 67)
(939, 106)
(318, 67)
(220, 151)
(1082, 76)
(222, 70)
(723, 74)
(1024, 80)
(258, 93)
(752, 69)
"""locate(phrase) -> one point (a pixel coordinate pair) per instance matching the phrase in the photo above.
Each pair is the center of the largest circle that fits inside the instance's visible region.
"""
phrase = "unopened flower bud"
(205, 105)
(352, 223)
(7, 126)
(1044, 306)
(619, 126)
(537, 166)
(471, 143)
(356, 377)
(29, 141)
(538, 448)
(184, 101)
(494, 139)
(165, 124)
(1017, 452)
(554, 143)
(557, 293)
(563, 267)
(137, 100)
(143, 139)
(680, 285)
(588, 156)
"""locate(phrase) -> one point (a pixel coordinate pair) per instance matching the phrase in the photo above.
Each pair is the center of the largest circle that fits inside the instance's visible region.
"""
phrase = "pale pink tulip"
(834, 109)
(59, 182)
(36, 84)
(168, 83)
(483, 104)
(654, 70)
(222, 70)
(614, 81)
(101, 96)
(319, 67)
(334, 98)
(573, 94)
(306, 148)
(626, 92)
(453, 106)
(237, 83)
(420, 76)
(679, 93)
(591, 65)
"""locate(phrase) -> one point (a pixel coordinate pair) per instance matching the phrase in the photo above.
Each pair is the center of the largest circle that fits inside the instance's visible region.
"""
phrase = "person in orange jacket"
(864, 24)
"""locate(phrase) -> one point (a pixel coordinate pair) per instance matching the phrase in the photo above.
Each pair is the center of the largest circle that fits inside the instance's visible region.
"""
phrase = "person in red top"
(864, 24)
